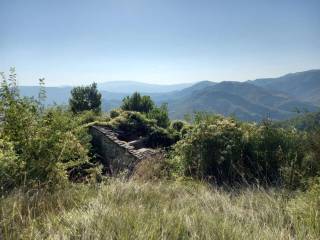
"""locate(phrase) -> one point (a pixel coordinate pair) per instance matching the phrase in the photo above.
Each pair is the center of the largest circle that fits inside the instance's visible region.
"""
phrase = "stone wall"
(117, 155)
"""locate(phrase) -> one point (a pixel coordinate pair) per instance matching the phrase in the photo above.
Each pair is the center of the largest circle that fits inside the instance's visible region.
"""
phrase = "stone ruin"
(115, 152)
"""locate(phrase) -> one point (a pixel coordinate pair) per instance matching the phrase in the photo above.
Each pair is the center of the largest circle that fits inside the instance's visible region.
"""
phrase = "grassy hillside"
(163, 210)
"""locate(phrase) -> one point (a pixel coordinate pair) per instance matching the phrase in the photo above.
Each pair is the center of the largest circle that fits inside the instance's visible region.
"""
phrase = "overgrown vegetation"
(264, 177)
(227, 151)
(38, 146)
(162, 210)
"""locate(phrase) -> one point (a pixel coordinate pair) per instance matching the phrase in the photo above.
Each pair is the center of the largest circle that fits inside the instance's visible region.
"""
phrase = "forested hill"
(244, 100)
(301, 85)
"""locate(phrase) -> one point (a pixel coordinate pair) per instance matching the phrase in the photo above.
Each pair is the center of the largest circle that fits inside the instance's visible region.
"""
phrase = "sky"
(75, 42)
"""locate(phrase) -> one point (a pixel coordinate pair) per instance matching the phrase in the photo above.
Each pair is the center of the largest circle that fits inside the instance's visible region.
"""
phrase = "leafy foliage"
(145, 105)
(211, 150)
(177, 125)
(114, 113)
(85, 98)
(132, 124)
(160, 137)
(37, 145)
(309, 122)
(160, 114)
(137, 103)
(225, 150)
(10, 165)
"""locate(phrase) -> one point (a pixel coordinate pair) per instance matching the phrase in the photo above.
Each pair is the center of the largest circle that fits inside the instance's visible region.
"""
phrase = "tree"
(137, 103)
(85, 98)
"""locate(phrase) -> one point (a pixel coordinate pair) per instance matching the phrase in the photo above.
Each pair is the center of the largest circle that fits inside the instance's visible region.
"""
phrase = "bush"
(11, 167)
(225, 150)
(185, 130)
(160, 137)
(160, 114)
(211, 151)
(48, 147)
(313, 147)
(86, 117)
(114, 113)
(177, 125)
(274, 155)
(132, 124)
(38, 146)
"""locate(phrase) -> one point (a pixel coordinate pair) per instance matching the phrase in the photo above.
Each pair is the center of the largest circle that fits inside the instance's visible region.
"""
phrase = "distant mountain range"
(132, 86)
(253, 100)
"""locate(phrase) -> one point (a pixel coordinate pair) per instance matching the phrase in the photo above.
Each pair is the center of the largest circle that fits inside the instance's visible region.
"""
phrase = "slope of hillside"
(301, 85)
(244, 100)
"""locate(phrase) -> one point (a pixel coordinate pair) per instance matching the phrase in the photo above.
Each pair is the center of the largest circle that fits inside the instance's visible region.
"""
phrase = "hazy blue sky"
(160, 41)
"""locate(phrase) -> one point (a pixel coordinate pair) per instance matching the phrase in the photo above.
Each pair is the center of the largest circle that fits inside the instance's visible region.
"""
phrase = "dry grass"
(162, 210)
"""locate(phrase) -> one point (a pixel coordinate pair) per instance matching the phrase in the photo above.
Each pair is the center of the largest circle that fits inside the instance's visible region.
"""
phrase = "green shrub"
(274, 154)
(132, 124)
(86, 117)
(211, 151)
(160, 137)
(185, 130)
(39, 146)
(48, 147)
(225, 150)
(177, 125)
(313, 148)
(160, 114)
(11, 167)
(114, 113)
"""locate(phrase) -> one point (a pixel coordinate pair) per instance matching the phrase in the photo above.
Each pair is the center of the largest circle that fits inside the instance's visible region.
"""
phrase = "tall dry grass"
(162, 210)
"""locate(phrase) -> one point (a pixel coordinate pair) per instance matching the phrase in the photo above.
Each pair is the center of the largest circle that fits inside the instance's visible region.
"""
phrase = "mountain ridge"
(253, 100)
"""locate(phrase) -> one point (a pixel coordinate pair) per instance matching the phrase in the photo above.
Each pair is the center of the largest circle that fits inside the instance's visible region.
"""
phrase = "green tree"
(85, 98)
(137, 103)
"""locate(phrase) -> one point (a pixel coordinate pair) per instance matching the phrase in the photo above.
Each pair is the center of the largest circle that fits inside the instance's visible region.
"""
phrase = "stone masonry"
(117, 155)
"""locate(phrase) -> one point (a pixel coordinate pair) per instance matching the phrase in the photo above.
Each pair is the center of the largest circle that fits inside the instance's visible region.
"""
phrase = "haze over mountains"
(278, 98)
(132, 86)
